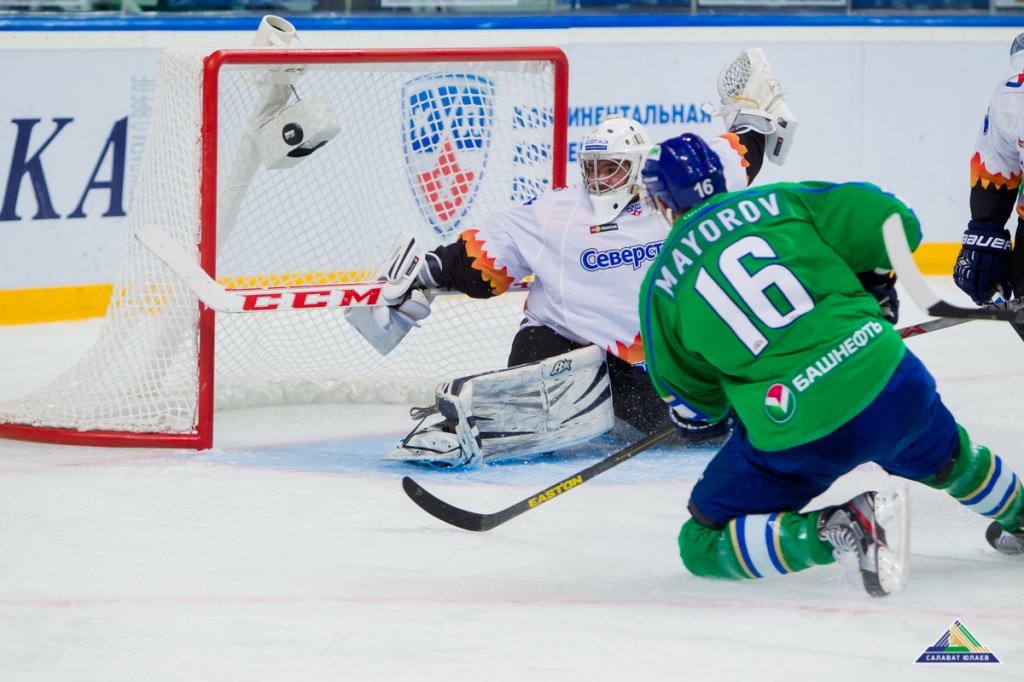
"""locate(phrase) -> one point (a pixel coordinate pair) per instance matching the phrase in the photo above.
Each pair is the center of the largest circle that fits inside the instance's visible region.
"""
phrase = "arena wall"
(896, 102)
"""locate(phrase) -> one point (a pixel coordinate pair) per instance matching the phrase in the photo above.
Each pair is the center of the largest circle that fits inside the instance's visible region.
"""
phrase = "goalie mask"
(680, 173)
(1017, 53)
(610, 159)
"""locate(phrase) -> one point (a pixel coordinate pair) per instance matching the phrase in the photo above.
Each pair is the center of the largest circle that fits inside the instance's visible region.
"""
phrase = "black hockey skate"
(1005, 542)
(869, 534)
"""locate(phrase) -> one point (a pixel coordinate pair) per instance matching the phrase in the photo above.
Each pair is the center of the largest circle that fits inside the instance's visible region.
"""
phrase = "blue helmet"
(682, 172)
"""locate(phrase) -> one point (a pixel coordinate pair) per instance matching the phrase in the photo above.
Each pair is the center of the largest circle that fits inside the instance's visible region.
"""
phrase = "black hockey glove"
(983, 265)
(695, 432)
(882, 285)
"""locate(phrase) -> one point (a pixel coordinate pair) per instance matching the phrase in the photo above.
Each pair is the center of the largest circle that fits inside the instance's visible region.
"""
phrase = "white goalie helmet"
(1017, 53)
(611, 157)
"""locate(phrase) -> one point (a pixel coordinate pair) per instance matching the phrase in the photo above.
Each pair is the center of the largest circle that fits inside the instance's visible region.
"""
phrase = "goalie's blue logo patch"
(449, 121)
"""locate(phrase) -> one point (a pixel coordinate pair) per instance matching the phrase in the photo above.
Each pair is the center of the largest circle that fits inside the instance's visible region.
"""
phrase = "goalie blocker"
(519, 411)
(407, 300)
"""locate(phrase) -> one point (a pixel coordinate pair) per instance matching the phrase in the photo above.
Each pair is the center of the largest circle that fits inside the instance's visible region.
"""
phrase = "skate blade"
(892, 516)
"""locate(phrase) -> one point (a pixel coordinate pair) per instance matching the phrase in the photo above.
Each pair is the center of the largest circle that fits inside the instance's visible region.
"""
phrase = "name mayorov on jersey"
(710, 229)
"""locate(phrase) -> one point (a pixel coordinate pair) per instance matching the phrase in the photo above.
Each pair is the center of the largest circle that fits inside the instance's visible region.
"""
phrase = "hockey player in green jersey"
(767, 301)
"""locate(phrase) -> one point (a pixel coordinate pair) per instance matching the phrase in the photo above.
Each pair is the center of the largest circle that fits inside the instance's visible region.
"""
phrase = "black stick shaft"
(475, 521)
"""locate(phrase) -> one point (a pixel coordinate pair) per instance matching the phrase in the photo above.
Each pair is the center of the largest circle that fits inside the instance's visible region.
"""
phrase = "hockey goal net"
(430, 142)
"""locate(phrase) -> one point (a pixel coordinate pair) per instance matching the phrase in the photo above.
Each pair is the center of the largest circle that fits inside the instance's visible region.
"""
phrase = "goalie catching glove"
(407, 300)
(752, 100)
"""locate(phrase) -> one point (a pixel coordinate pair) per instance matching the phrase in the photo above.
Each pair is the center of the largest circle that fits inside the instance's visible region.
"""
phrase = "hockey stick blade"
(187, 270)
(913, 281)
(474, 521)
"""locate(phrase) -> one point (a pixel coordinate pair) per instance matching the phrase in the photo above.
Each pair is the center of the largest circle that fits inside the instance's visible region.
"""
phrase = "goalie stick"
(475, 521)
(265, 299)
(913, 281)
(344, 295)
(215, 296)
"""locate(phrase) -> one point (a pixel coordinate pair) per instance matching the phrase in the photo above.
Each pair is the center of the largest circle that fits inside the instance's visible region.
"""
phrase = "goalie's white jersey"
(999, 150)
(587, 276)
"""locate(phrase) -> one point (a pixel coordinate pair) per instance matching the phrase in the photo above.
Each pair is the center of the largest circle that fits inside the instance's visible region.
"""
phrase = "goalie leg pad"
(524, 410)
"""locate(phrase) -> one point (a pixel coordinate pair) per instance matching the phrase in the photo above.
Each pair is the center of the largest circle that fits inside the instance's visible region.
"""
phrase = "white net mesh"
(428, 148)
(734, 77)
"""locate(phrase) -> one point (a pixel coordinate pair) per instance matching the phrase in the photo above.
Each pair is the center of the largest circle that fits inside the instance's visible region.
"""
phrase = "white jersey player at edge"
(577, 361)
(989, 262)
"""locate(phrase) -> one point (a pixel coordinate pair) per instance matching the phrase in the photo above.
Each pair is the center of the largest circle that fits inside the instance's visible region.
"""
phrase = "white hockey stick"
(259, 300)
(302, 297)
(913, 281)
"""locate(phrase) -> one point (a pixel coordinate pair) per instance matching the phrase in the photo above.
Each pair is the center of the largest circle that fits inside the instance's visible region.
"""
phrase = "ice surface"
(290, 552)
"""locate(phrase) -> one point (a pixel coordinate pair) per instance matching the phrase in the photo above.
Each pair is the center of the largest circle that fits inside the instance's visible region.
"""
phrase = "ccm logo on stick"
(345, 296)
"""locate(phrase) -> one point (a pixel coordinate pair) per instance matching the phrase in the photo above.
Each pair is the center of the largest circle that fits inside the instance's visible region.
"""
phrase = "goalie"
(577, 362)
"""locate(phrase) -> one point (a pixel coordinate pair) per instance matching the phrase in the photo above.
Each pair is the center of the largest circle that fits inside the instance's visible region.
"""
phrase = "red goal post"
(429, 141)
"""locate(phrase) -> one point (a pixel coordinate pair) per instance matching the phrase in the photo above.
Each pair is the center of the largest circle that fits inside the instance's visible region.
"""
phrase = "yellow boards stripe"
(26, 306)
(934, 258)
(53, 304)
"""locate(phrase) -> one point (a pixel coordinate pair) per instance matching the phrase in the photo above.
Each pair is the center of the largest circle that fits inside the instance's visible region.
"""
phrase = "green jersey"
(754, 302)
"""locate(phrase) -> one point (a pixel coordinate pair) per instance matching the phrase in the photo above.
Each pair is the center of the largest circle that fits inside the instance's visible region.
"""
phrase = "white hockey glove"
(407, 302)
(752, 100)
(295, 133)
